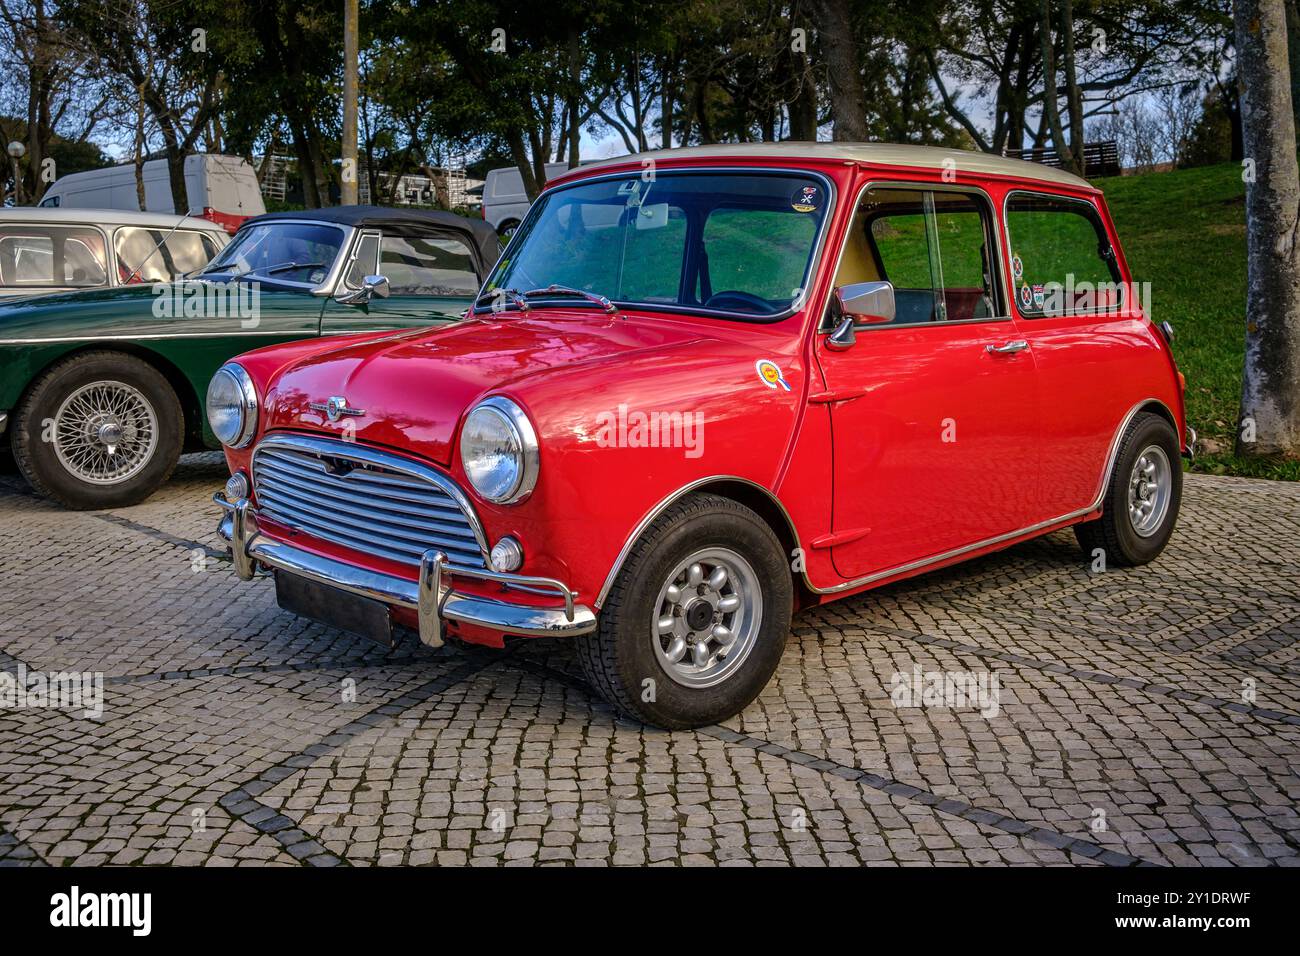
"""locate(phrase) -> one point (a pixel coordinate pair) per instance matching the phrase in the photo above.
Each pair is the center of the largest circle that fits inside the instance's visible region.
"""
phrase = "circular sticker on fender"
(806, 199)
(770, 374)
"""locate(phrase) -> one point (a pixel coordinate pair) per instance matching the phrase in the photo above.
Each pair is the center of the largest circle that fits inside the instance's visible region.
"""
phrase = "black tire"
(38, 460)
(619, 657)
(1114, 532)
(506, 231)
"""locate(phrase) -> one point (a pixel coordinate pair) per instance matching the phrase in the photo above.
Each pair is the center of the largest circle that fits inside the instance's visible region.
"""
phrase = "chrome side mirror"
(867, 302)
(371, 286)
(842, 339)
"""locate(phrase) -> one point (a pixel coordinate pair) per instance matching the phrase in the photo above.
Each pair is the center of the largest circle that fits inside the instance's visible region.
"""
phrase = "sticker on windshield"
(806, 199)
(1040, 296)
(770, 374)
(318, 276)
(1017, 267)
(1026, 297)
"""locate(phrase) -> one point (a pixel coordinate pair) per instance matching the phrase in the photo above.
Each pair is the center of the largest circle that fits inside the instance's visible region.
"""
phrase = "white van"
(504, 199)
(221, 188)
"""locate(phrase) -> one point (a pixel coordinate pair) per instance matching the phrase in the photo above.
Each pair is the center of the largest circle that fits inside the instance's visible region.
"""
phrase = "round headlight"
(498, 448)
(232, 406)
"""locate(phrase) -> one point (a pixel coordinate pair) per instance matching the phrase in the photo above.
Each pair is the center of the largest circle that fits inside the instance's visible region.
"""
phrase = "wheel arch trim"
(665, 502)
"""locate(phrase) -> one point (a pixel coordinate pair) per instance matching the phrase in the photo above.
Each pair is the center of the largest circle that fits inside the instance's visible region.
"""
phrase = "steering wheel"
(735, 301)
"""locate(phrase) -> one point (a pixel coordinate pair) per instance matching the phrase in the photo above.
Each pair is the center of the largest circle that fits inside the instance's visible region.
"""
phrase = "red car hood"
(413, 387)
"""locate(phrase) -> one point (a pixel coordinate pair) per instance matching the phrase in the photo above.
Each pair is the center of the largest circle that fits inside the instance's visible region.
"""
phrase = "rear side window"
(51, 256)
(160, 255)
(427, 266)
(1061, 260)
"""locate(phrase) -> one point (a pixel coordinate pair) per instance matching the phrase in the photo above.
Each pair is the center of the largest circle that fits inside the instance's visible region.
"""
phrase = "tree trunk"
(1073, 99)
(803, 105)
(1293, 44)
(1051, 109)
(1270, 391)
(574, 99)
(847, 98)
(140, 198)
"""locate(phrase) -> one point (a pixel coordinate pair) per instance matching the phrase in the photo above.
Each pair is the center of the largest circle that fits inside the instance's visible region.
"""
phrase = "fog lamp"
(236, 486)
(507, 556)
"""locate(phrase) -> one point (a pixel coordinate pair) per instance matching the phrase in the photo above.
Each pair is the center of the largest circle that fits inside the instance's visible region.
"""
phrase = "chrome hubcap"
(708, 616)
(105, 432)
(1150, 487)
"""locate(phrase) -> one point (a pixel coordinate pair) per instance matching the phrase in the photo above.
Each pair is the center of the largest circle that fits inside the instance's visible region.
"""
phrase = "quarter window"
(1062, 262)
(160, 255)
(428, 266)
(51, 256)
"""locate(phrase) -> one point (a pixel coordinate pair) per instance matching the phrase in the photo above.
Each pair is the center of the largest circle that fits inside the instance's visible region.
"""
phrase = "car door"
(432, 278)
(1089, 337)
(932, 413)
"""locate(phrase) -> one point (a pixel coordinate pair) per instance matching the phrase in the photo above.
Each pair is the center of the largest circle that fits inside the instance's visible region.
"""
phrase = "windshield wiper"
(512, 294)
(599, 300)
(270, 270)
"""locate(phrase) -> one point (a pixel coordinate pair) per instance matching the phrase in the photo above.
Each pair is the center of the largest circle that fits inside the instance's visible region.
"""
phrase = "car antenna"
(161, 243)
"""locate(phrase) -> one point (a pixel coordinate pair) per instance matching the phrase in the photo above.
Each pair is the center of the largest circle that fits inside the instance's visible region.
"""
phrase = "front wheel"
(696, 621)
(1140, 506)
(99, 430)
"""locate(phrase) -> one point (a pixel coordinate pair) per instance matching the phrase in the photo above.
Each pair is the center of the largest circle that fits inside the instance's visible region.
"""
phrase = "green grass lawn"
(1185, 233)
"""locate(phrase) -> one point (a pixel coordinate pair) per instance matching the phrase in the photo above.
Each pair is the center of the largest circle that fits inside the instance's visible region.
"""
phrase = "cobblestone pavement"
(1149, 716)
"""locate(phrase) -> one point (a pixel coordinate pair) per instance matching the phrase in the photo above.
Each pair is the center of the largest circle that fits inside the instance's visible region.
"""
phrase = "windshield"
(736, 243)
(300, 252)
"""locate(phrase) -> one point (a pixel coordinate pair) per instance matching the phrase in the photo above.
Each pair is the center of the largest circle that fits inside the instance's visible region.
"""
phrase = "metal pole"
(350, 43)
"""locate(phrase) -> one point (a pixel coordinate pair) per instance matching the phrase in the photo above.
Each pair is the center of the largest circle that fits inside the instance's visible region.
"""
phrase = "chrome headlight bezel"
(246, 406)
(512, 419)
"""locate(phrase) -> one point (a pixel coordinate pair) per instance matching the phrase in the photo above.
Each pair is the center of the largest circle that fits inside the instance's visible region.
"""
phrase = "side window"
(366, 261)
(1061, 260)
(154, 255)
(428, 266)
(933, 247)
(51, 256)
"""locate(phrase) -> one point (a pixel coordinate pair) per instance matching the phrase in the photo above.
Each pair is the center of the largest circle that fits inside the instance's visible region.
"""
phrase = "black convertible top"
(401, 222)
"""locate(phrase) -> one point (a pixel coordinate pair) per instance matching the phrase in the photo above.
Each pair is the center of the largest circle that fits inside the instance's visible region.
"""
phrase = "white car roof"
(885, 154)
(107, 218)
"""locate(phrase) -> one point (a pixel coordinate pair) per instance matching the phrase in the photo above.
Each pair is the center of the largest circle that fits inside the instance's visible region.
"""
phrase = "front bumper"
(431, 596)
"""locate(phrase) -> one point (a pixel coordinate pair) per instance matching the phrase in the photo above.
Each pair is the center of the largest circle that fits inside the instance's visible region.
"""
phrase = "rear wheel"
(695, 624)
(506, 230)
(1140, 506)
(99, 430)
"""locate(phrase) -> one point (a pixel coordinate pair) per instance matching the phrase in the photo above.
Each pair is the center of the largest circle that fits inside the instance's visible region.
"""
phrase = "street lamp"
(16, 152)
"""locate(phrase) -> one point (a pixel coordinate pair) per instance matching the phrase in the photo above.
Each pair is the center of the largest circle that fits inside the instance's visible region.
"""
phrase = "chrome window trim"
(814, 261)
(354, 250)
(335, 448)
(916, 565)
(1006, 235)
(934, 187)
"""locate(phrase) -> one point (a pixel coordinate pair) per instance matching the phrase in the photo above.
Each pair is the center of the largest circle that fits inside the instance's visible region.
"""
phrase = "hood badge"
(335, 408)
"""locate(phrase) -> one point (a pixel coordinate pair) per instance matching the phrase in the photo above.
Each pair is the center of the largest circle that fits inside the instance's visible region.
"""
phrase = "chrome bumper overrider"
(4, 421)
(1190, 453)
(431, 596)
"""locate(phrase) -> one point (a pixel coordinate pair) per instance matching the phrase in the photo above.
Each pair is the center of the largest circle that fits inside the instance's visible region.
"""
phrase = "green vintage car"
(101, 391)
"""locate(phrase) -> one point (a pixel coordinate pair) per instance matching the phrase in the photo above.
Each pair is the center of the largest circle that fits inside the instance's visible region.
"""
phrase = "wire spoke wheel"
(105, 432)
(709, 614)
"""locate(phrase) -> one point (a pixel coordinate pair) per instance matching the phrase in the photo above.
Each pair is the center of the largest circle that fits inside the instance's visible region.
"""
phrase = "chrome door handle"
(1019, 345)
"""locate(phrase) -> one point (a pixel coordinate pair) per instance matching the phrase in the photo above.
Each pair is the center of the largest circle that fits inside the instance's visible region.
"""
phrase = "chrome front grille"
(365, 499)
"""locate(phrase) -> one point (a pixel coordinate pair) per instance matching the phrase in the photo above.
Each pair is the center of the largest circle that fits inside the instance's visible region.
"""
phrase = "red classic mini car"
(704, 388)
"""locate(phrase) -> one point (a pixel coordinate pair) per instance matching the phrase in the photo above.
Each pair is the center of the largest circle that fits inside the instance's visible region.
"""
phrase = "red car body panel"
(850, 457)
